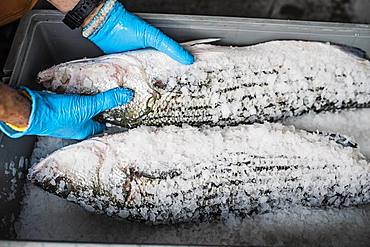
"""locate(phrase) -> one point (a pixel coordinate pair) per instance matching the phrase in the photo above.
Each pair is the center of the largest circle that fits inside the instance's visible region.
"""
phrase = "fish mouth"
(46, 78)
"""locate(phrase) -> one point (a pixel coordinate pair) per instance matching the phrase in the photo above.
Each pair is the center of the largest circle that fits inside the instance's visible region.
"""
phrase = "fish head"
(91, 76)
(72, 169)
(90, 173)
(133, 75)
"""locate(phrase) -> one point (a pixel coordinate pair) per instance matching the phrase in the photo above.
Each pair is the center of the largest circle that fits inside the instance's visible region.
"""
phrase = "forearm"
(15, 108)
(66, 5)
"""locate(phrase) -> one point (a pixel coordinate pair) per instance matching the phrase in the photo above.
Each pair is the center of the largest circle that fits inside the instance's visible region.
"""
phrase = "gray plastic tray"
(42, 40)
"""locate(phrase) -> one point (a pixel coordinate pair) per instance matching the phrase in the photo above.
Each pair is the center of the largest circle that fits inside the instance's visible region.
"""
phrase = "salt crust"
(48, 217)
(51, 218)
(177, 174)
(318, 220)
(226, 85)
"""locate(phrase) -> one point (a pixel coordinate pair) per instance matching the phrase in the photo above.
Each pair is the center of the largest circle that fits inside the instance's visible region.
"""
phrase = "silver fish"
(174, 174)
(225, 86)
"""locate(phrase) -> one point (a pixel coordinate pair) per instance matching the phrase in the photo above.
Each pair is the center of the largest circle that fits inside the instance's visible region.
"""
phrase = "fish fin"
(342, 140)
(357, 52)
(202, 46)
(200, 41)
(198, 52)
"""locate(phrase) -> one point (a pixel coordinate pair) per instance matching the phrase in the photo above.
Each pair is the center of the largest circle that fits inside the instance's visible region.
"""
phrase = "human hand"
(121, 31)
(68, 116)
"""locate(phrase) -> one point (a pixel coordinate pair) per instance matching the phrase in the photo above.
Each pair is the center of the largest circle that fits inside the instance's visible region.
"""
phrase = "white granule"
(48, 217)
(47, 145)
(352, 123)
(204, 166)
(225, 85)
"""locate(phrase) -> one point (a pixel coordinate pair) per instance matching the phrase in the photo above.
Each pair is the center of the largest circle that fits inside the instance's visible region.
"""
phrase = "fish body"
(225, 86)
(174, 174)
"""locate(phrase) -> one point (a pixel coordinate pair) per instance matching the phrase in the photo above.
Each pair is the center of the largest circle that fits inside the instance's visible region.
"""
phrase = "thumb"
(165, 44)
(110, 99)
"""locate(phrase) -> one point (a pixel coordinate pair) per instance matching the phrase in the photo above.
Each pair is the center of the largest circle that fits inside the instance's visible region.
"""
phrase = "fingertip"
(187, 58)
(109, 99)
(183, 56)
(125, 95)
(175, 50)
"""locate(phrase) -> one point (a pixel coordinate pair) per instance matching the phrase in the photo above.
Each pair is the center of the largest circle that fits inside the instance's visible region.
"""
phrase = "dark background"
(355, 11)
(316, 10)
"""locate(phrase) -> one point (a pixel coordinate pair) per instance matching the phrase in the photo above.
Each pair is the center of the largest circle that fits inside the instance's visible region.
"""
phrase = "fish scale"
(182, 174)
(173, 174)
(225, 86)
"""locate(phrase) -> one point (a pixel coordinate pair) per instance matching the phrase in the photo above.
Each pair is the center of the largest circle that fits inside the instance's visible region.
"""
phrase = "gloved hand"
(122, 31)
(68, 116)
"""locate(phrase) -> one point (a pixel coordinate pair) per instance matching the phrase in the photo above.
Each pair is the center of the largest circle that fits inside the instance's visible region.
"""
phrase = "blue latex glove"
(68, 116)
(123, 31)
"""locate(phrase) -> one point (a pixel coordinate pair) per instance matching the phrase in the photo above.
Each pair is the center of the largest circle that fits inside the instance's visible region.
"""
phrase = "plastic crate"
(42, 40)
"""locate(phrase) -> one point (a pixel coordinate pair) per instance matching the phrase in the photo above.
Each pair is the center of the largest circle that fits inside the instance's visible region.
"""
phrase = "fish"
(225, 86)
(174, 174)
